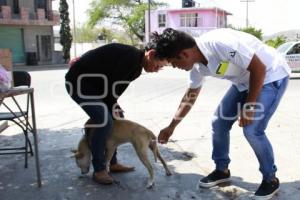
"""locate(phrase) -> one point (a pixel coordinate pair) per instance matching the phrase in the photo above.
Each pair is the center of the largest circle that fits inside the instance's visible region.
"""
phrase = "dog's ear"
(78, 155)
(74, 150)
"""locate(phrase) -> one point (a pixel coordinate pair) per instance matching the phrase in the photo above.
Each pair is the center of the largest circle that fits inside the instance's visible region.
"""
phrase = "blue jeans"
(102, 125)
(228, 112)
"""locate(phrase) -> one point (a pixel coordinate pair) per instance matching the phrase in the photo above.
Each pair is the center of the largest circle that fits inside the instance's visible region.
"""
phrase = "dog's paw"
(168, 173)
(150, 185)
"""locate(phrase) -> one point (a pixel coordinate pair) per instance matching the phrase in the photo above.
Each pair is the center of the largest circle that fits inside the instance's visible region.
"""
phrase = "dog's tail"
(155, 149)
(153, 145)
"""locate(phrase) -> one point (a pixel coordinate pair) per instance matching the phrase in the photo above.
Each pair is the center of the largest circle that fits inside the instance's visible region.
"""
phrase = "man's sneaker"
(214, 178)
(267, 190)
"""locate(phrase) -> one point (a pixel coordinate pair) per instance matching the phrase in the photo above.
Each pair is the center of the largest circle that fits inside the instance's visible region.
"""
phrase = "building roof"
(196, 9)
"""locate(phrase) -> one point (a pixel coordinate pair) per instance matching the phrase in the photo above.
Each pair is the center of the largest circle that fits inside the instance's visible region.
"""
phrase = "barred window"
(161, 20)
(190, 20)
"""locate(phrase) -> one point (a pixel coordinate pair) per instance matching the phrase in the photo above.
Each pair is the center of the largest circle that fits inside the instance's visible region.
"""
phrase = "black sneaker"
(214, 178)
(267, 190)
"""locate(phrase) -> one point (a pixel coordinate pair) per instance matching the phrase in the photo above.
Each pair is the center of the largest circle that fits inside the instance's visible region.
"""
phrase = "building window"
(190, 20)
(3, 3)
(41, 4)
(221, 21)
(16, 8)
(161, 20)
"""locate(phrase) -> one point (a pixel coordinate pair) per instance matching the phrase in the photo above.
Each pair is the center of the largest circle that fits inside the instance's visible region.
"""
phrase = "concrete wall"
(9, 3)
(30, 40)
(28, 4)
(49, 4)
(33, 26)
(23, 3)
(30, 33)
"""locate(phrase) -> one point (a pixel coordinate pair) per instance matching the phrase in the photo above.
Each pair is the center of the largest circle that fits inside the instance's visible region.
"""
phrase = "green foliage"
(130, 14)
(258, 33)
(65, 30)
(85, 33)
(253, 31)
(276, 42)
(136, 21)
(108, 34)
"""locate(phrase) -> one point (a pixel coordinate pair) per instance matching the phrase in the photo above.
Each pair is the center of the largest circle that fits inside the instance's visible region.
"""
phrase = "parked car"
(291, 52)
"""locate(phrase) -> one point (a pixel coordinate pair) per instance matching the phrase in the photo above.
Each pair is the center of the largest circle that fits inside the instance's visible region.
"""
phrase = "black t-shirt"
(106, 71)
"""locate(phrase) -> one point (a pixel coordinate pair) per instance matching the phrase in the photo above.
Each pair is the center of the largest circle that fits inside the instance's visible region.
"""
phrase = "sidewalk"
(151, 100)
(40, 67)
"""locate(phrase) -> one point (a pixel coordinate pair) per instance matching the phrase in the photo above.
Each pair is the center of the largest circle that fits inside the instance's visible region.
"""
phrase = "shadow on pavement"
(62, 178)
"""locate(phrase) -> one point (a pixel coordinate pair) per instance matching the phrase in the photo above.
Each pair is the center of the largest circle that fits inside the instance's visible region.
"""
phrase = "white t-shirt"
(229, 54)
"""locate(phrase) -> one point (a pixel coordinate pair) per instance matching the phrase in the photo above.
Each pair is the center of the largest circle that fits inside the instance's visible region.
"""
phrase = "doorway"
(46, 48)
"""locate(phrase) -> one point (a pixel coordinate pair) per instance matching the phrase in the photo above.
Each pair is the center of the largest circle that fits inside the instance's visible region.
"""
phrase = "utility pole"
(74, 29)
(149, 20)
(247, 5)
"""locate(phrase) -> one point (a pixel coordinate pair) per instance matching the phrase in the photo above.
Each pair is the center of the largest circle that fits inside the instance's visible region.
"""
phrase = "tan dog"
(123, 131)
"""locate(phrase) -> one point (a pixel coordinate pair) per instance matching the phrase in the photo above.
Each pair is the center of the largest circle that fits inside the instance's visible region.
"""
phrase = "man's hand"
(118, 112)
(257, 71)
(247, 116)
(165, 134)
(73, 60)
(246, 119)
(186, 104)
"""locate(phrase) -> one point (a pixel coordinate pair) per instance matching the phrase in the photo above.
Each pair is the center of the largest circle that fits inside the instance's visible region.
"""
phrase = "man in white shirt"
(259, 77)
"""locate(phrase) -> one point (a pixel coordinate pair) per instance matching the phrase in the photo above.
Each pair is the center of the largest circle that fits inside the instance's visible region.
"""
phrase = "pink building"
(194, 21)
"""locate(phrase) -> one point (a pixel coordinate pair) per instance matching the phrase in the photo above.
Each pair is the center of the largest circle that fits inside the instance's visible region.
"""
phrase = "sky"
(271, 16)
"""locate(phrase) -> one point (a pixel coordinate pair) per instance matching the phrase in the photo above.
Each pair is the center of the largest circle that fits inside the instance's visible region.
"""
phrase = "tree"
(65, 30)
(251, 30)
(276, 42)
(130, 14)
(85, 33)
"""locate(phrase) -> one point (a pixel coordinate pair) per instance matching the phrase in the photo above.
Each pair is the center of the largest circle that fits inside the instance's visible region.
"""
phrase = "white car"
(291, 52)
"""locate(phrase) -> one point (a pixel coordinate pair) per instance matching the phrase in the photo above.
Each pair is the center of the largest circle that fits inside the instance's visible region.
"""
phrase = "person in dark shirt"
(95, 81)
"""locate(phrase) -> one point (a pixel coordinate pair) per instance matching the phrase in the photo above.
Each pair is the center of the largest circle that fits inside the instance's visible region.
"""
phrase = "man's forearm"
(257, 76)
(185, 106)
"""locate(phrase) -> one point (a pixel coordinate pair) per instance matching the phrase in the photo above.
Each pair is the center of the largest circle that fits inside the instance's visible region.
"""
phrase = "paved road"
(151, 100)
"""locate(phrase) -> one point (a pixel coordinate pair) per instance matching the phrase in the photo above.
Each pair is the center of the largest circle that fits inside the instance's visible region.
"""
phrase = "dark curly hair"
(170, 43)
